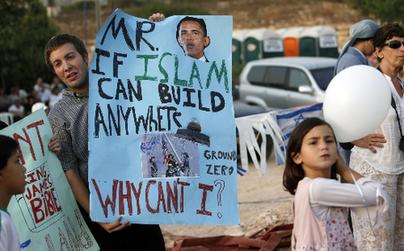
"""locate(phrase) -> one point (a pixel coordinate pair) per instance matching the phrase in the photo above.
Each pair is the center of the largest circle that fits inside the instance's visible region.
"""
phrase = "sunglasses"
(395, 44)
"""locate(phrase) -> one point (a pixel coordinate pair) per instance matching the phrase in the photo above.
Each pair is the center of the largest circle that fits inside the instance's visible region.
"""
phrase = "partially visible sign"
(273, 45)
(46, 214)
(328, 41)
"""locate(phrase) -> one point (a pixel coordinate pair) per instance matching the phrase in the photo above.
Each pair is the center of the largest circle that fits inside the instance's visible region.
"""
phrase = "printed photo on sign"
(167, 155)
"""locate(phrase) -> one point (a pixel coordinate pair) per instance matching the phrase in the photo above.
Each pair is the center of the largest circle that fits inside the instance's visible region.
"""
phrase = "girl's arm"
(346, 172)
(332, 193)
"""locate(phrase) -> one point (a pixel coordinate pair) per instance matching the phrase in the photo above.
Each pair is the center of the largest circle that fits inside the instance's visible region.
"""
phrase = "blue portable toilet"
(327, 42)
(272, 44)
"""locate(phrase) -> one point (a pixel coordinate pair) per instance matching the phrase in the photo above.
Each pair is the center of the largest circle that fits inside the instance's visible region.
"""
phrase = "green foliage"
(78, 6)
(24, 31)
(386, 10)
(237, 68)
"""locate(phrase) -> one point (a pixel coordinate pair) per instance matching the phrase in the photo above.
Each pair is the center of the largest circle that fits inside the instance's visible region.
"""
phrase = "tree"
(24, 31)
(386, 10)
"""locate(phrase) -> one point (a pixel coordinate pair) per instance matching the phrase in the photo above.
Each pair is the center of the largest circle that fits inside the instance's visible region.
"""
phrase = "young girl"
(321, 202)
(12, 181)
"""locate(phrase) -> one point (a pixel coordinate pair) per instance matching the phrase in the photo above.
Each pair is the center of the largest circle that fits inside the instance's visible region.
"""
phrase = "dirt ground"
(262, 201)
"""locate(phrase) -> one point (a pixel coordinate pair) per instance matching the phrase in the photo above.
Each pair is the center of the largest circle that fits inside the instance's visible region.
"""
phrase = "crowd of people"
(20, 102)
(372, 174)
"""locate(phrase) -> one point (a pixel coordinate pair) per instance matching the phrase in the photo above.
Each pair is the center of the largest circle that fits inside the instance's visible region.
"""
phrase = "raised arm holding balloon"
(387, 165)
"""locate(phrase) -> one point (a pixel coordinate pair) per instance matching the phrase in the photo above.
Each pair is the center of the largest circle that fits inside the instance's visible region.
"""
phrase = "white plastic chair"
(7, 117)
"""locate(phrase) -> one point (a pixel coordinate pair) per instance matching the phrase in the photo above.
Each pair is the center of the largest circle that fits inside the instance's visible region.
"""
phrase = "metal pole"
(85, 21)
(172, 147)
(97, 15)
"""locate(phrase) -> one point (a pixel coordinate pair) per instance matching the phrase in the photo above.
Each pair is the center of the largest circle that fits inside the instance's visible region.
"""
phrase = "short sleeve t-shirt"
(8, 233)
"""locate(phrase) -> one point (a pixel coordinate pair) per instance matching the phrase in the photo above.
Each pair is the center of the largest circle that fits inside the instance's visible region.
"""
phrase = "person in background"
(17, 109)
(56, 83)
(14, 94)
(55, 96)
(42, 91)
(321, 201)
(4, 100)
(359, 45)
(67, 57)
(356, 52)
(387, 164)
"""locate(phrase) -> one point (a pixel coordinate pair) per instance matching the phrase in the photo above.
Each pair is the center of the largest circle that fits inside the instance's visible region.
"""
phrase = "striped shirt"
(69, 120)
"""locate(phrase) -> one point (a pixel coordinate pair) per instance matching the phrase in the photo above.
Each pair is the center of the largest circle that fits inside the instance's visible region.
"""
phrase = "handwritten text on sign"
(46, 214)
(162, 131)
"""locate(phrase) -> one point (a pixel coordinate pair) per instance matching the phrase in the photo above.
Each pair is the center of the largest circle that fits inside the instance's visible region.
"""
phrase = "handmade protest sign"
(161, 121)
(46, 214)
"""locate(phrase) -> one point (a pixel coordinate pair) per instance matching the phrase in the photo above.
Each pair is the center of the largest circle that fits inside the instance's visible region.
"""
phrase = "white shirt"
(14, 109)
(389, 159)
(326, 193)
(8, 233)
(54, 99)
(203, 58)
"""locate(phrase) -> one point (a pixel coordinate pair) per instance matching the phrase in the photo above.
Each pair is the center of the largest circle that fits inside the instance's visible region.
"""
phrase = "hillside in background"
(246, 14)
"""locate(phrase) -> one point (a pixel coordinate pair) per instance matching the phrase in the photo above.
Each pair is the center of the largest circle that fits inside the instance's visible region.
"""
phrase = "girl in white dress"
(321, 201)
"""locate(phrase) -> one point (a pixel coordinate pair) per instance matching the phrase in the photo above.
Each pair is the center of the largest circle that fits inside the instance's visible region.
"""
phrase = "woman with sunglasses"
(387, 164)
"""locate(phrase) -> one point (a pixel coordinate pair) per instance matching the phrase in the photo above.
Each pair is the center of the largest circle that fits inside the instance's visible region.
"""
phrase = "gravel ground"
(262, 201)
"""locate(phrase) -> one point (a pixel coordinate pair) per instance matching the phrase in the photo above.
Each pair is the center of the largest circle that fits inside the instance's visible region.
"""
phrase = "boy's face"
(12, 177)
(70, 67)
(192, 39)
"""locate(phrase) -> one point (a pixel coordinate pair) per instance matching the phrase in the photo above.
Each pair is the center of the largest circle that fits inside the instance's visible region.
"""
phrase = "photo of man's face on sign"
(193, 38)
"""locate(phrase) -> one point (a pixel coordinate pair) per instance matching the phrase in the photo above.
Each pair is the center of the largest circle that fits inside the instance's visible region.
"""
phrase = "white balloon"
(356, 102)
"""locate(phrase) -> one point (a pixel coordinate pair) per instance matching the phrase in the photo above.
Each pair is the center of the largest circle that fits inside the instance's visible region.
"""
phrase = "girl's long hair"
(293, 172)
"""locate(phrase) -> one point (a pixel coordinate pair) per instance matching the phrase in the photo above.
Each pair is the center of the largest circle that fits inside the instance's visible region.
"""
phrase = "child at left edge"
(12, 182)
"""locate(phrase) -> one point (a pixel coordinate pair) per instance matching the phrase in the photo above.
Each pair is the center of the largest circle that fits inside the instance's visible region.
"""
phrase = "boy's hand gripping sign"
(161, 121)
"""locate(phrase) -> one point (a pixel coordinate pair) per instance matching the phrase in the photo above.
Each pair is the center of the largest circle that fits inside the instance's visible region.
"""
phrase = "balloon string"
(364, 202)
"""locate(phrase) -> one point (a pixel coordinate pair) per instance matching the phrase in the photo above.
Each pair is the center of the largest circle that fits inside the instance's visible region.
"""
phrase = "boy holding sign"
(67, 57)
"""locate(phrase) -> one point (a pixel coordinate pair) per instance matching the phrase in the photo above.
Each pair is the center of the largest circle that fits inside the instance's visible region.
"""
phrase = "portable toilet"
(308, 42)
(252, 45)
(290, 38)
(328, 45)
(272, 44)
(237, 46)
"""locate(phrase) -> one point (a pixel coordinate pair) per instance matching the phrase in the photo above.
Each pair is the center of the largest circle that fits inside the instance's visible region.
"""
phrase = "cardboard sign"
(161, 122)
(46, 214)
